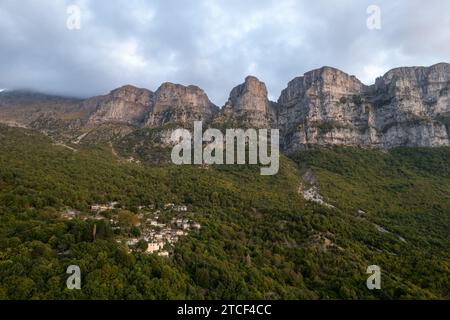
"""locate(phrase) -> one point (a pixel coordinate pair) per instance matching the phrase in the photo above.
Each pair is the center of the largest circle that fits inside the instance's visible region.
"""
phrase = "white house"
(169, 206)
(196, 226)
(132, 242)
(153, 247)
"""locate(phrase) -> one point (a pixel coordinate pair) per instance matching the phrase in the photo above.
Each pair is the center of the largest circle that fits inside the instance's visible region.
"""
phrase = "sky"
(213, 44)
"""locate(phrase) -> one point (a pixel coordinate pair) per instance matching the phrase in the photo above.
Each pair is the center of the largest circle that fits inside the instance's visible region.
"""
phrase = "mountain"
(308, 232)
(170, 104)
(127, 104)
(53, 115)
(413, 106)
(106, 117)
(177, 104)
(249, 105)
(406, 107)
(322, 107)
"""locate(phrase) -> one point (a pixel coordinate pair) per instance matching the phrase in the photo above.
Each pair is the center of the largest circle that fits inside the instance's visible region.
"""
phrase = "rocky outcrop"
(119, 111)
(413, 107)
(127, 104)
(248, 105)
(406, 107)
(325, 106)
(177, 104)
(170, 104)
(250, 96)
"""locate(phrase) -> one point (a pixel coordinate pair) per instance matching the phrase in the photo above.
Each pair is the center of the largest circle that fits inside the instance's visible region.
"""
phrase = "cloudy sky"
(209, 43)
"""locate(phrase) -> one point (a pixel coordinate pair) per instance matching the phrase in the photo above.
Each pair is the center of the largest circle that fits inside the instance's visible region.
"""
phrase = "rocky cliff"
(128, 104)
(170, 104)
(177, 104)
(249, 106)
(112, 115)
(406, 107)
(412, 106)
(325, 106)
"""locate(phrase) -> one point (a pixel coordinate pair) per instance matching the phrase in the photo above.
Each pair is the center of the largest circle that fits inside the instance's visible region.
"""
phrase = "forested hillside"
(260, 239)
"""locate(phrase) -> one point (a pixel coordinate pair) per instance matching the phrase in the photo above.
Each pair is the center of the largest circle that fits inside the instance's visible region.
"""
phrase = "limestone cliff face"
(127, 104)
(248, 105)
(177, 104)
(170, 104)
(406, 107)
(325, 106)
(413, 107)
(250, 96)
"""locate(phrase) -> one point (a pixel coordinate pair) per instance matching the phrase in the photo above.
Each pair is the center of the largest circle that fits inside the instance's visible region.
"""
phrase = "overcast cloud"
(212, 44)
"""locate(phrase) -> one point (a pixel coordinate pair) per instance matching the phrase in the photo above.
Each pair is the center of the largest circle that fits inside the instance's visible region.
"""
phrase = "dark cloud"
(213, 44)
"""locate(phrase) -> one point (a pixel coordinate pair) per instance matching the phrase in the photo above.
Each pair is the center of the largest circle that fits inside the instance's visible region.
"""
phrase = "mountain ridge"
(407, 106)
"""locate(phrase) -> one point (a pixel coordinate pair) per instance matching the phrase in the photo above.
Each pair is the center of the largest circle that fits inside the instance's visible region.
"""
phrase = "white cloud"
(371, 72)
(213, 44)
(127, 56)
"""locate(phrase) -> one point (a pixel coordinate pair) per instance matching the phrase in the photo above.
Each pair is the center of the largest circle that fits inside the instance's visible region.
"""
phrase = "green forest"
(260, 238)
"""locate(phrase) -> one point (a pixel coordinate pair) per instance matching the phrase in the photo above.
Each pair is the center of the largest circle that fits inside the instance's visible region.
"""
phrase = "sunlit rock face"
(177, 104)
(249, 105)
(412, 106)
(127, 104)
(406, 107)
(170, 104)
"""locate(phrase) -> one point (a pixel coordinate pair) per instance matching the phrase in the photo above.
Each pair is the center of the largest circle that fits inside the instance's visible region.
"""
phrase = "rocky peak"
(420, 91)
(170, 95)
(171, 103)
(175, 103)
(132, 94)
(413, 106)
(438, 72)
(406, 107)
(128, 104)
(248, 105)
(420, 82)
(320, 82)
(324, 106)
(249, 96)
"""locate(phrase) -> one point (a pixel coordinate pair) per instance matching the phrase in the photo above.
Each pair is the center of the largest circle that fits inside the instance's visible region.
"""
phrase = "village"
(154, 231)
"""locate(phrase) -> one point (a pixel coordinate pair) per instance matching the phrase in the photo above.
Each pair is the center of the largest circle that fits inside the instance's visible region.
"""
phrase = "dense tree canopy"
(259, 239)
